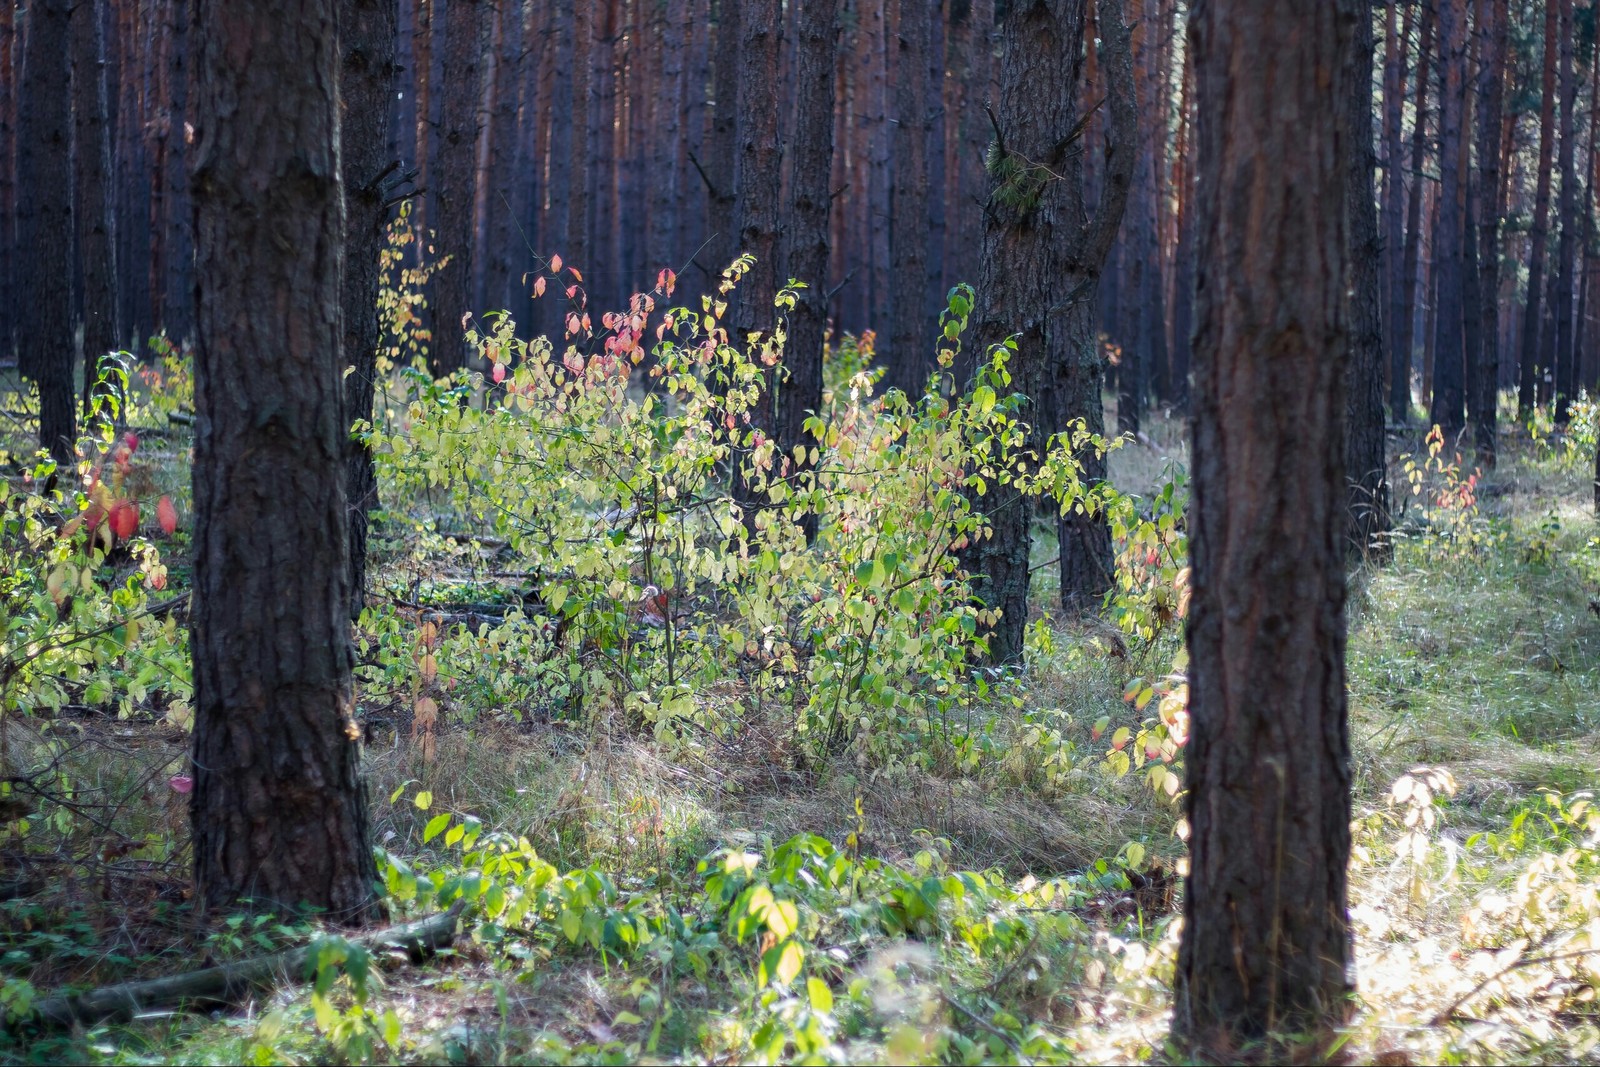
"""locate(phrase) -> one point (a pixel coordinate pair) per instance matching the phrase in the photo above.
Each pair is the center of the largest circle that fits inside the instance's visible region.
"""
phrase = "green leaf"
(435, 826)
(820, 995)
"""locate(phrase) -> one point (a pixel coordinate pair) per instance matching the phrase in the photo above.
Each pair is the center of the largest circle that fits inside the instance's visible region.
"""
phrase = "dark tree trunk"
(756, 210)
(1450, 345)
(1567, 212)
(44, 224)
(1529, 371)
(1494, 26)
(367, 43)
(1265, 948)
(455, 179)
(422, 89)
(94, 217)
(1410, 282)
(909, 354)
(9, 305)
(505, 258)
(278, 812)
(1367, 519)
(816, 47)
(577, 250)
(1042, 257)
(717, 168)
(667, 151)
(1394, 278)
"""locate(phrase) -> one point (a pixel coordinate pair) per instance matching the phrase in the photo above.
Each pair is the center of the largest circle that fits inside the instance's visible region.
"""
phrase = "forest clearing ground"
(1477, 654)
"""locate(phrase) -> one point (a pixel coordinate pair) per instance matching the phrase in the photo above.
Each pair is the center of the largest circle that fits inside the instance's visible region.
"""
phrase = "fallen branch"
(229, 981)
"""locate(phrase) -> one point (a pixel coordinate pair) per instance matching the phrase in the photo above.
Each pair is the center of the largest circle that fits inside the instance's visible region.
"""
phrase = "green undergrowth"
(708, 791)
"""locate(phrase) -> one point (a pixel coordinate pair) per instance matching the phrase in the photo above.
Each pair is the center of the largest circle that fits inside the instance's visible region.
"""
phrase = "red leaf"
(538, 287)
(167, 515)
(124, 519)
(181, 783)
(131, 439)
(499, 373)
(575, 275)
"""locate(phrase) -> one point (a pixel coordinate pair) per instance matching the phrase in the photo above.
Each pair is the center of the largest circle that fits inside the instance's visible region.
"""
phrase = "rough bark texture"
(1448, 409)
(1494, 26)
(717, 167)
(816, 46)
(44, 224)
(1265, 948)
(756, 209)
(909, 354)
(455, 178)
(278, 811)
(1367, 519)
(93, 217)
(1042, 256)
(366, 88)
(1529, 371)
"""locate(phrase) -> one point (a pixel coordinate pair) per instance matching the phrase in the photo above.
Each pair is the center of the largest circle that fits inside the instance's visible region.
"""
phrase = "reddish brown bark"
(278, 812)
(1265, 949)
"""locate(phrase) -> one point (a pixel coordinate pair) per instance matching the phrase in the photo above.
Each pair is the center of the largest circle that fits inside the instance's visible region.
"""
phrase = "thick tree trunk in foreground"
(44, 225)
(366, 86)
(1367, 518)
(1041, 264)
(278, 810)
(1266, 941)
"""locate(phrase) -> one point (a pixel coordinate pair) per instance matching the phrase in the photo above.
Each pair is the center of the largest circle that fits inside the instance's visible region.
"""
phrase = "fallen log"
(226, 983)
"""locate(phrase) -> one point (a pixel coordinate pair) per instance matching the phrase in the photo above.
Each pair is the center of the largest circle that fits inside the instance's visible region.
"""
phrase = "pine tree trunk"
(1367, 516)
(757, 207)
(806, 254)
(367, 44)
(1395, 279)
(717, 171)
(1567, 212)
(1411, 284)
(44, 224)
(10, 307)
(93, 217)
(1040, 268)
(1449, 360)
(1265, 948)
(1493, 25)
(278, 811)
(909, 350)
(1529, 372)
(454, 180)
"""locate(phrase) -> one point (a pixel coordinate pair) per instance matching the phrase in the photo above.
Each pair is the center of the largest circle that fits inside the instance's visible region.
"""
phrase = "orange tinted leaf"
(576, 276)
(167, 515)
(538, 286)
(555, 264)
(125, 519)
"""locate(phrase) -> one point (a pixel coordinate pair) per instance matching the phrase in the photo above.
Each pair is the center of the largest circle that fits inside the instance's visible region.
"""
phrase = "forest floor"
(1474, 668)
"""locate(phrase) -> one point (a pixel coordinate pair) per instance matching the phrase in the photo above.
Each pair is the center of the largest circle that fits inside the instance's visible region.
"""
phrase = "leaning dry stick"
(229, 981)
